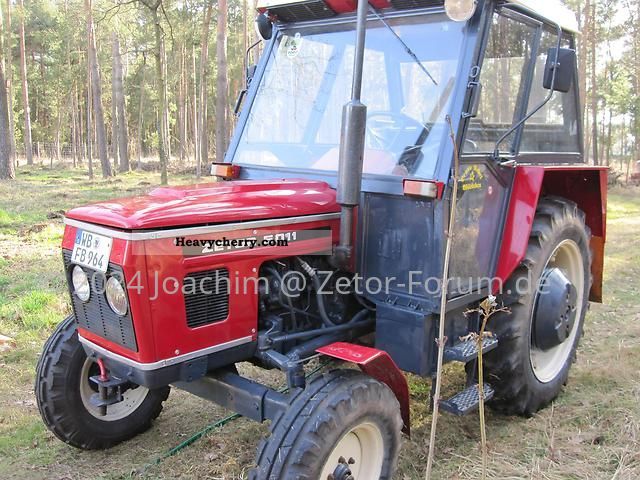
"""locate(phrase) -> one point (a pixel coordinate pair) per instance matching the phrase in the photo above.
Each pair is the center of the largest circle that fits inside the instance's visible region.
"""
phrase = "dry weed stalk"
(443, 298)
(487, 309)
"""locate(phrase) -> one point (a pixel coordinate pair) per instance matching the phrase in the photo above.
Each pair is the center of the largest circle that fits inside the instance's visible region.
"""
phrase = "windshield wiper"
(406, 47)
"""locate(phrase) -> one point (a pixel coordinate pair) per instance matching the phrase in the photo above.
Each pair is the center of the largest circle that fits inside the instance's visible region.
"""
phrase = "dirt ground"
(591, 432)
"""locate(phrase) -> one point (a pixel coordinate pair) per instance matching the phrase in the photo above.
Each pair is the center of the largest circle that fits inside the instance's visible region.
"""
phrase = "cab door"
(510, 44)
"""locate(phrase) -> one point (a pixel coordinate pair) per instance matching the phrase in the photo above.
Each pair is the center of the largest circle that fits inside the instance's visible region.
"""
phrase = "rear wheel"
(539, 338)
(63, 393)
(343, 426)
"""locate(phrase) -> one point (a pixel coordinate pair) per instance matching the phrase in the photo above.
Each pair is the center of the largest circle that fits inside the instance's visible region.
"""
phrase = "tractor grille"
(299, 12)
(206, 297)
(406, 4)
(95, 315)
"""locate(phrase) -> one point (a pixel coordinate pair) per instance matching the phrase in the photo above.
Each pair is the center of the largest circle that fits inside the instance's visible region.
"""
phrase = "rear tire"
(62, 386)
(340, 414)
(525, 377)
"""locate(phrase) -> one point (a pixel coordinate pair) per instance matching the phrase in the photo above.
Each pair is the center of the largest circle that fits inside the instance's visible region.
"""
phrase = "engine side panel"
(155, 271)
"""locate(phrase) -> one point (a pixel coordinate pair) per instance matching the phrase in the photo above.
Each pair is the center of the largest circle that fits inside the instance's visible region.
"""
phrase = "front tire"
(63, 390)
(536, 350)
(343, 425)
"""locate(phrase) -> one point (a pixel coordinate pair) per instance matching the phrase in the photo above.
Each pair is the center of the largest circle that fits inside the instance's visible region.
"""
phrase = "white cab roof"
(553, 10)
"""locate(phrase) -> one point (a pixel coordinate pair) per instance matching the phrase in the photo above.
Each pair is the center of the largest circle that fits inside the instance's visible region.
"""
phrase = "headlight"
(460, 10)
(80, 283)
(116, 296)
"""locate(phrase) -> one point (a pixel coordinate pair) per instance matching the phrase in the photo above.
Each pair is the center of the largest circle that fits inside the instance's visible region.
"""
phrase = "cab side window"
(507, 59)
(555, 127)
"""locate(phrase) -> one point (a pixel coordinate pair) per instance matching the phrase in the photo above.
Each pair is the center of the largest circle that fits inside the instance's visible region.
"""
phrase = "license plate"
(91, 250)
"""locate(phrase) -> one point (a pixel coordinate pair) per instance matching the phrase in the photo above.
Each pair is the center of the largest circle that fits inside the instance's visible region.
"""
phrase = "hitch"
(110, 389)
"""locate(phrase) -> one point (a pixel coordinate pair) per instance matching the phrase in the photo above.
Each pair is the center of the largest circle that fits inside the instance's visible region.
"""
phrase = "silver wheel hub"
(555, 312)
(558, 308)
(358, 455)
(131, 399)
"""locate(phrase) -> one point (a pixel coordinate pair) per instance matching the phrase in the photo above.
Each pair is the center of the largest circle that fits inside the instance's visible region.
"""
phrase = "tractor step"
(467, 350)
(466, 401)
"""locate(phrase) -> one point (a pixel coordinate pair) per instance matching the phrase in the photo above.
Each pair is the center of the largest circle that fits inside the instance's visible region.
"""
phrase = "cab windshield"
(410, 69)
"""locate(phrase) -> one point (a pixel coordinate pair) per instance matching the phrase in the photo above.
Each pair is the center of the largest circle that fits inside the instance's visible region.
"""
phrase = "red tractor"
(326, 232)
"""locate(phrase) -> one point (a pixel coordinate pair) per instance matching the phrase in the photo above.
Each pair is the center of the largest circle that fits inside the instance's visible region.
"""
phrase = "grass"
(591, 432)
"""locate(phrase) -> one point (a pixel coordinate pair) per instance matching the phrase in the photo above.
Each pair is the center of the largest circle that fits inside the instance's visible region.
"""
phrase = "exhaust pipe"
(354, 125)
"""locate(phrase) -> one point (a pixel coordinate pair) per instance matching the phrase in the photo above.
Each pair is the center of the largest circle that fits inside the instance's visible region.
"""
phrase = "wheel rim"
(362, 448)
(547, 364)
(132, 398)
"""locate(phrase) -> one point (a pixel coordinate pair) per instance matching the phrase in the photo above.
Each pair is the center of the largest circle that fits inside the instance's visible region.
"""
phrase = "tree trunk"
(96, 88)
(162, 107)
(82, 150)
(195, 117)
(623, 143)
(636, 87)
(121, 116)
(89, 122)
(58, 153)
(204, 64)
(114, 106)
(141, 108)
(7, 170)
(609, 136)
(8, 56)
(74, 126)
(221, 88)
(594, 86)
(245, 33)
(182, 117)
(165, 104)
(28, 146)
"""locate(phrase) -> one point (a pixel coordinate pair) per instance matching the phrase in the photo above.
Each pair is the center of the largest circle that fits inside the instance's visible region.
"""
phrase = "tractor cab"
(500, 77)
(397, 165)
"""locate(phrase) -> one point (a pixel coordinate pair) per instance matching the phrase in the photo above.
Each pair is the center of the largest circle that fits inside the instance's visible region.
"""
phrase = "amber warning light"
(417, 188)
(226, 171)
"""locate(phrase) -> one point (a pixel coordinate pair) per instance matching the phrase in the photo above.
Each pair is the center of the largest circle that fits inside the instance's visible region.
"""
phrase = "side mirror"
(238, 105)
(565, 69)
(264, 26)
(251, 71)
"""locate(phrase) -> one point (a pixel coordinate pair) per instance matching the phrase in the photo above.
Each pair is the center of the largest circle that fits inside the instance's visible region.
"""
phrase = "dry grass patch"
(591, 432)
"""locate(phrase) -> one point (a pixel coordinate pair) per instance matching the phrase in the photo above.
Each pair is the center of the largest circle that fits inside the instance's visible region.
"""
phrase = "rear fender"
(379, 365)
(584, 185)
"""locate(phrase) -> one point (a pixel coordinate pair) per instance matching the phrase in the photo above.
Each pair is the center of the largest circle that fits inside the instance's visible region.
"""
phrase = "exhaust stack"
(352, 137)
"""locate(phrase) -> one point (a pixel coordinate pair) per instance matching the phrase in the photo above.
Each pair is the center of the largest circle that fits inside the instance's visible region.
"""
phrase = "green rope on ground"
(213, 426)
(197, 436)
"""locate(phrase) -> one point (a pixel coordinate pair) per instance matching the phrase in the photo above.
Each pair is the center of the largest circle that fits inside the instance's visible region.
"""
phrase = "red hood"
(210, 203)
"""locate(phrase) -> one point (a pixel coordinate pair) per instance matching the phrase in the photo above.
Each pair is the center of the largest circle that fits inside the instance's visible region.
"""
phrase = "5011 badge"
(91, 250)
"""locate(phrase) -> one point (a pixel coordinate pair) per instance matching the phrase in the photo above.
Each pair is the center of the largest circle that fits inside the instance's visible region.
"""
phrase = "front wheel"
(343, 426)
(63, 391)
